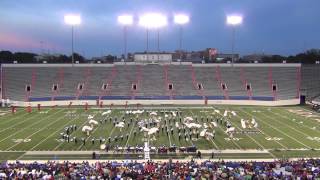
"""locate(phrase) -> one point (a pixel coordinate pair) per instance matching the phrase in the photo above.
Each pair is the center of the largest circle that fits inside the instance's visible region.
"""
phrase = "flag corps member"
(86, 106)
(13, 109)
(29, 109)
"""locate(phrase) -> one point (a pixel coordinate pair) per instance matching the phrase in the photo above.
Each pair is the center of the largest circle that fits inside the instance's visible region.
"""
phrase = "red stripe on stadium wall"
(60, 81)
(87, 82)
(245, 82)
(109, 80)
(2, 83)
(195, 82)
(220, 82)
(167, 81)
(274, 93)
(298, 82)
(33, 84)
(136, 81)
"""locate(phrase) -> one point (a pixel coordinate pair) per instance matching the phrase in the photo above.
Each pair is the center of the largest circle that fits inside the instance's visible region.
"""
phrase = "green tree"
(6, 57)
(24, 57)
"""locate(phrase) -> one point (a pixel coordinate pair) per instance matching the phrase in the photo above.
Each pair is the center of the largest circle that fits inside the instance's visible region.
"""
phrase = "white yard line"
(30, 125)
(55, 148)
(92, 134)
(234, 142)
(180, 123)
(303, 120)
(284, 117)
(284, 146)
(88, 137)
(261, 146)
(225, 133)
(278, 129)
(313, 119)
(167, 122)
(306, 109)
(169, 137)
(130, 134)
(20, 122)
(73, 120)
(267, 134)
(55, 132)
(214, 144)
(21, 156)
(52, 122)
(5, 120)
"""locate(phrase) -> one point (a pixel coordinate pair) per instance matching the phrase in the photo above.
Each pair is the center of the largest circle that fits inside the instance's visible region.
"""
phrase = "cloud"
(269, 24)
(18, 42)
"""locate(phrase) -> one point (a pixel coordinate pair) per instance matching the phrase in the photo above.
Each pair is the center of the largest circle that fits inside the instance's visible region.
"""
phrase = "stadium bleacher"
(310, 81)
(282, 169)
(151, 82)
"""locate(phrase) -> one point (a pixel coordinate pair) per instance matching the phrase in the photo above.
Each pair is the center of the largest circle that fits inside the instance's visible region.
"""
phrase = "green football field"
(292, 131)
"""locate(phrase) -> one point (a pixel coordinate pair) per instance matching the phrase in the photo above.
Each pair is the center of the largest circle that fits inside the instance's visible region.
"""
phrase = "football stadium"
(180, 114)
(63, 111)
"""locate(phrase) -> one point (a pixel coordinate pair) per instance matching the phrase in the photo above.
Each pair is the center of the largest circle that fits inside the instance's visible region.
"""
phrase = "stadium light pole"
(162, 22)
(153, 21)
(125, 20)
(234, 20)
(72, 20)
(181, 19)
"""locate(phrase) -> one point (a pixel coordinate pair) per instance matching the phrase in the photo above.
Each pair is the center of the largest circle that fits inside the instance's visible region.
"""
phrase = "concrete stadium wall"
(171, 63)
(310, 86)
(158, 102)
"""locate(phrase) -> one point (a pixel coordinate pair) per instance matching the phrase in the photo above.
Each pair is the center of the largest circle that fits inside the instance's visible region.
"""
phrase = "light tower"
(153, 21)
(181, 19)
(73, 20)
(234, 20)
(125, 20)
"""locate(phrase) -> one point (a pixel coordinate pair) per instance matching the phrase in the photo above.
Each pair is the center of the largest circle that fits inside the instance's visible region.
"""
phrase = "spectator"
(300, 169)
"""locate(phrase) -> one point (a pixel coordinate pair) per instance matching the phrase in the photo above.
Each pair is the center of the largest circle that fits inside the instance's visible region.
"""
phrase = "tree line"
(27, 57)
(307, 57)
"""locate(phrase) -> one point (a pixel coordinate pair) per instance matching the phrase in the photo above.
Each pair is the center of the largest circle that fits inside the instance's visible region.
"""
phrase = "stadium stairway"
(152, 82)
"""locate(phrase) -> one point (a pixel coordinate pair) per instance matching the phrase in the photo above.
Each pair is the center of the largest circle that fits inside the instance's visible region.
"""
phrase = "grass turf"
(280, 131)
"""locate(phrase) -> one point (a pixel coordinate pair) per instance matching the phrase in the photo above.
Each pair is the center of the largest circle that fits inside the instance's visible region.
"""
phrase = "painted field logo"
(21, 140)
(273, 139)
(60, 140)
(233, 139)
(256, 111)
(44, 112)
(314, 138)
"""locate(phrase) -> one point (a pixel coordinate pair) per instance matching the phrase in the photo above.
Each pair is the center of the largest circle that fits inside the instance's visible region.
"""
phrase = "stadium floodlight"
(73, 20)
(234, 20)
(181, 19)
(153, 21)
(125, 20)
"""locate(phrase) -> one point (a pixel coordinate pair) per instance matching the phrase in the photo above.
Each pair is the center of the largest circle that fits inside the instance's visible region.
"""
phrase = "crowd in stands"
(300, 169)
